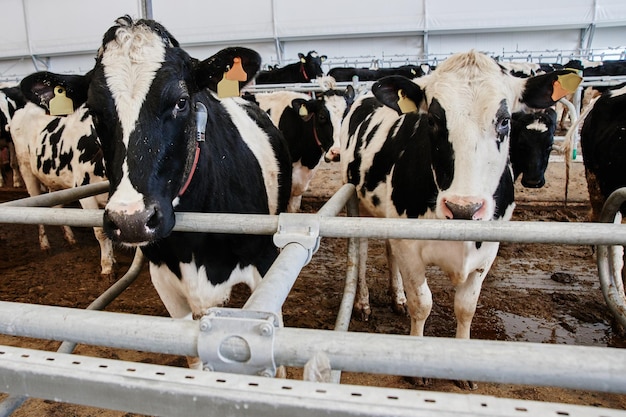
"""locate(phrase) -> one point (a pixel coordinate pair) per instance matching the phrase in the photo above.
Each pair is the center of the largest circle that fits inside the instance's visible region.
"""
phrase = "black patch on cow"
(360, 113)
(375, 200)
(478, 245)
(505, 193)
(603, 142)
(413, 187)
(502, 123)
(442, 153)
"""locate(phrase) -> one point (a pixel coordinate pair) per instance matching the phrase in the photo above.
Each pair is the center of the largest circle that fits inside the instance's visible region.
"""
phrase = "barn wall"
(45, 35)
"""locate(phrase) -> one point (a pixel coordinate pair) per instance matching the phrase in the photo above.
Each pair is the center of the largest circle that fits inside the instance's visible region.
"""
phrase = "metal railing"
(224, 336)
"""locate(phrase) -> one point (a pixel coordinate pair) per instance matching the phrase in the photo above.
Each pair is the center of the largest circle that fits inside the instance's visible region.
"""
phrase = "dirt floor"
(534, 292)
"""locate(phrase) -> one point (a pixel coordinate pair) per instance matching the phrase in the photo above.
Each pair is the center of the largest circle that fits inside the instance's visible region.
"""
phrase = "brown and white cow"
(437, 147)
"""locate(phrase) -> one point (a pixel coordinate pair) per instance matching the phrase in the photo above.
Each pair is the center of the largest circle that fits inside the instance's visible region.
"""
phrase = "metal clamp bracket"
(300, 228)
(238, 341)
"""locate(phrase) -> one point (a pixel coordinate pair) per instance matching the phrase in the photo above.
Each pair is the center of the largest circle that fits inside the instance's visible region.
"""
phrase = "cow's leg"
(17, 176)
(418, 294)
(467, 291)
(33, 186)
(362, 301)
(396, 289)
(294, 203)
(169, 288)
(107, 257)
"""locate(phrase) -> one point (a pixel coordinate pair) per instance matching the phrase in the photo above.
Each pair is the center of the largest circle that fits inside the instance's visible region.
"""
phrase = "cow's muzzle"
(464, 208)
(134, 229)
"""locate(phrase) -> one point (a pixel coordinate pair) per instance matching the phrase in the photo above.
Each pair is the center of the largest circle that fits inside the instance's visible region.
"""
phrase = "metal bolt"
(266, 373)
(207, 368)
(205, 325)
(266, 329)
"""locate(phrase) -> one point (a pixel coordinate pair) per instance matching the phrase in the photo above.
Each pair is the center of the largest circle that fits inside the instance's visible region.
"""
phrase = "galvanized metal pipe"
(273, 290)
(60, 197)
(13, 402)
(579, 367)
(579, 233)
(611, 280)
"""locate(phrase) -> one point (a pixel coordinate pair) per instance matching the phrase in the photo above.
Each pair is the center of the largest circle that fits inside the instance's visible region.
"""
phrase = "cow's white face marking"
(130, 64)
(471, 89)
(538, 126)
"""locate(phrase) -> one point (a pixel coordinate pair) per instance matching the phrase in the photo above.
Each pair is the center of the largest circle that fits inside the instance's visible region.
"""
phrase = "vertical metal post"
(146, 9)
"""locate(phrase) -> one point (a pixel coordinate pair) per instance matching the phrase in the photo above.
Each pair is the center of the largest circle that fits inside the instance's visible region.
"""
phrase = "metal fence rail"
(225, 336)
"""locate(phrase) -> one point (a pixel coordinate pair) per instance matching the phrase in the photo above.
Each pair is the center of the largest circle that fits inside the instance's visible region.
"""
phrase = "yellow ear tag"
(60, 105)
(564, 85)
(303, 111)
(237, 72)
(406, 104)
(227, 88)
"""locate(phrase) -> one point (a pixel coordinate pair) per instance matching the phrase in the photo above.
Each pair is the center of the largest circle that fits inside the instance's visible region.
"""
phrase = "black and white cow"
(11, 99)
(603, 145)
(61, 152)
(304, 71)
(171, 145)
(309, 129)
(437, 147)
(343, 74)
(532, 138)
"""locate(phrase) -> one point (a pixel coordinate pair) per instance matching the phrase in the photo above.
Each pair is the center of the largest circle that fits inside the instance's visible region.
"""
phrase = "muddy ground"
(534, 292)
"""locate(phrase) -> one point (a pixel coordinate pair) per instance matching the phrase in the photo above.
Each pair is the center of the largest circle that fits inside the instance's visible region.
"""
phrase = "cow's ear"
(305, 108)
(545, 90)
(39, 88)
(398, 93)
(209, 73)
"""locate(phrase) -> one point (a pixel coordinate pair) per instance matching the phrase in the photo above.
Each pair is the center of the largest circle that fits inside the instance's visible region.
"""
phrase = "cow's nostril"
(464, 211)
(154, 220)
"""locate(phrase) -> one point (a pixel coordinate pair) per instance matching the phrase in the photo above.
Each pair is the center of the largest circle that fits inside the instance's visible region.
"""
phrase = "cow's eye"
(181, 105)
(502, 129)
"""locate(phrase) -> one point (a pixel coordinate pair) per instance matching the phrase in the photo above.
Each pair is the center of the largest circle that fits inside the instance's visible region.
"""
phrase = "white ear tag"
(61, 105)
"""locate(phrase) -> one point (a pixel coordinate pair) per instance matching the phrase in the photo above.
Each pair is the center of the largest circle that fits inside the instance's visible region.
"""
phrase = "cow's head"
(467, 105)
(312, 64)
(142, 95)
(316, 117)
(338, 103)
(532, 137)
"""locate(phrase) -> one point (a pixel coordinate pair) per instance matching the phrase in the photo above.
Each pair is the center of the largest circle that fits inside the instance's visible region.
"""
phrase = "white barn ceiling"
(63, 35)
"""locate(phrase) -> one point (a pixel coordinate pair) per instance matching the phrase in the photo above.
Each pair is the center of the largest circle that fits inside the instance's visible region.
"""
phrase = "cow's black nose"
(132, 228)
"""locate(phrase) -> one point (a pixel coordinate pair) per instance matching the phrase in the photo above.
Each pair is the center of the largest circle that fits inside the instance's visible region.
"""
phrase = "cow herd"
(152, 120)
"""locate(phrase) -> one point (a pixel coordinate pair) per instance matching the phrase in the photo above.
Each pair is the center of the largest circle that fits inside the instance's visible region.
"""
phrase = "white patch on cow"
(193, 294)
(538, 126)
(31, 137)
(618, 92)
(470, 109)
(259, 143)
(130, 64)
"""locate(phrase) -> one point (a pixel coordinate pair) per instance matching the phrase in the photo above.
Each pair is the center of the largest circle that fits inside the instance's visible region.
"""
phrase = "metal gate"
(243, 346)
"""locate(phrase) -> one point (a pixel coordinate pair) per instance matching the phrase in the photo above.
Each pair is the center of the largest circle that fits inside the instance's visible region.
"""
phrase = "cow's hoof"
(466, 385)
(418, 381)
(400, 309)
(363, 312)
(109, 277)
